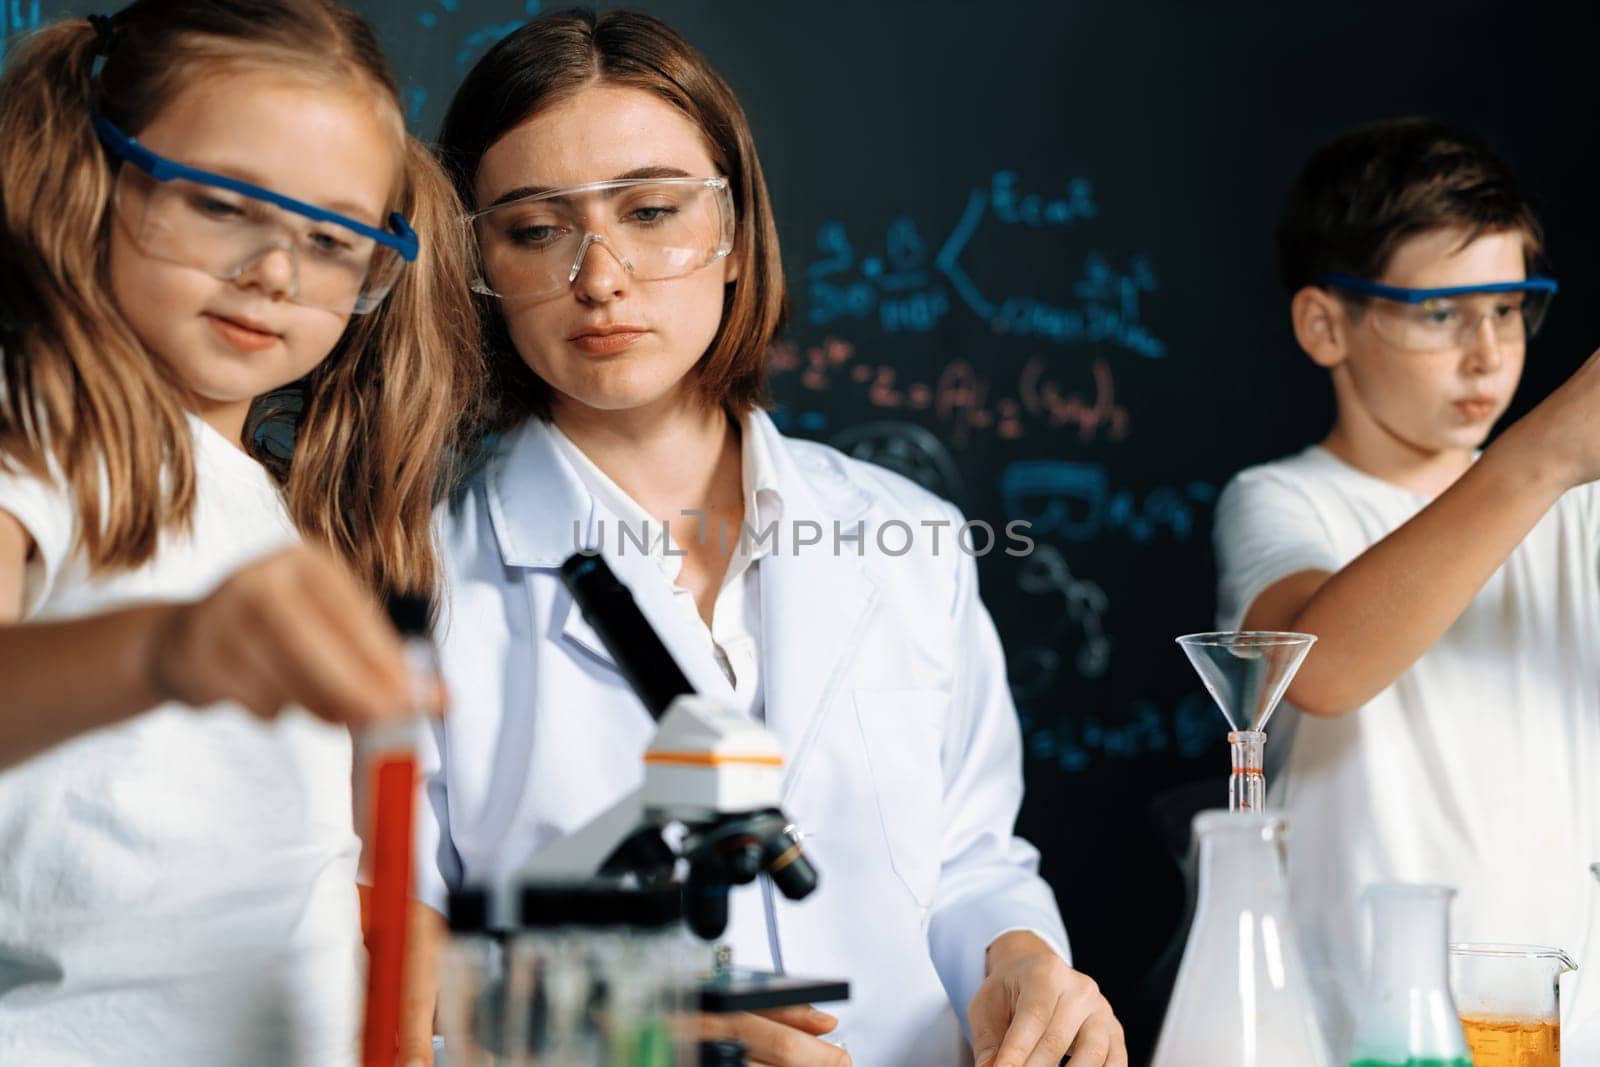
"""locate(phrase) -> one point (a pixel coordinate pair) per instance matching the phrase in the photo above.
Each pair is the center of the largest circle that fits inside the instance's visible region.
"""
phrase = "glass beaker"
(1241, 998)
(1407, 1017)
(470, 1012)
(1581, 1035)
(601, 976)
(1246, 673)
(1509, 1002)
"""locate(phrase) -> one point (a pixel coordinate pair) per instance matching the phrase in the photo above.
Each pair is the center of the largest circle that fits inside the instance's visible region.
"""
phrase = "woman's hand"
(783, 1037)
(1032, 1009)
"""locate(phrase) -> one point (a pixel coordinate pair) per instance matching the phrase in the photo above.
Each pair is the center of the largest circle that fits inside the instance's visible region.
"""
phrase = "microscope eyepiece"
(786, 864)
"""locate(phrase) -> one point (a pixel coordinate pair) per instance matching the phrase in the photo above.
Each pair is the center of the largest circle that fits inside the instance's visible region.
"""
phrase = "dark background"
(1100, 359)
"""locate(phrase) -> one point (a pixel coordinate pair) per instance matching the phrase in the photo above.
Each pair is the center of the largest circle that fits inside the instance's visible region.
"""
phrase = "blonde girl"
(235, 349)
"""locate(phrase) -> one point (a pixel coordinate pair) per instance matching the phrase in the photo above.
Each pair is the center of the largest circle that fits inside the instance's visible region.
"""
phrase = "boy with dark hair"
(1451, 706)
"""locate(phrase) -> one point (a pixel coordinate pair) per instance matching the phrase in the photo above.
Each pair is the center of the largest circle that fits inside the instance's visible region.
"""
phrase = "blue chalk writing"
(910, 294)
(949, 259)
(829, 302)
(1072, 742)
(480, 40)
(1034, 210)
(1083, 608)
(430, 19)
(1110, 311)
(415, 98)
(834, 243)
(898, 285)
(19, 18)
(919, 312)
(438, 15)
(1076, 501)
(477, 40)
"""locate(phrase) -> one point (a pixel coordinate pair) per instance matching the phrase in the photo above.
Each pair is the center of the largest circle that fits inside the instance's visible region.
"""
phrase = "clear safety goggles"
(225, 227)
(1441, 320)
(657, 228)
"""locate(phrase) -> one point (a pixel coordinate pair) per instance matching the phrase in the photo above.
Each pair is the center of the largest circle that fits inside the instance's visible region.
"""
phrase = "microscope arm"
(584, 852)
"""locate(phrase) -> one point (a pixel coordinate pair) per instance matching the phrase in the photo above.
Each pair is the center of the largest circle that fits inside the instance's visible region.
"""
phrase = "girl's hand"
(292, 628)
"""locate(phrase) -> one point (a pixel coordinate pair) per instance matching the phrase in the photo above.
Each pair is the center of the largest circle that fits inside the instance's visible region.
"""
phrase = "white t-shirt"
(178, 888)
(1476, 768)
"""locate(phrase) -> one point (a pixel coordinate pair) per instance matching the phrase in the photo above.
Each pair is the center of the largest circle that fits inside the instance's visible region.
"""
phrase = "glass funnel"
(1510, 1002)
(1241, 998)
(1246, 673)
(1407, 1017)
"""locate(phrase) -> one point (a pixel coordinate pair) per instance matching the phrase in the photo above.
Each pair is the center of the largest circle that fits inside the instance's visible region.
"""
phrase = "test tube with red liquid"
(387, 790)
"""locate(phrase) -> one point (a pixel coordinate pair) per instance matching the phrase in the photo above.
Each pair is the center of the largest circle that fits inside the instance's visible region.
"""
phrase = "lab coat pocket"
(902, 730)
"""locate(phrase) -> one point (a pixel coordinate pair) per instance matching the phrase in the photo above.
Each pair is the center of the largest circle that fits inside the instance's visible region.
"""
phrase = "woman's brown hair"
(374, 424)
(552, 57)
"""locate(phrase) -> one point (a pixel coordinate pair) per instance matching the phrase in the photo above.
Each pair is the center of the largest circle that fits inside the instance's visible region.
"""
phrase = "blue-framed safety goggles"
(1432, 320)
(223, 226)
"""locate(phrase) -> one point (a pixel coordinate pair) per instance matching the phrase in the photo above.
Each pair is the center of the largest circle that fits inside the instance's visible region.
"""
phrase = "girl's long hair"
(375, 425)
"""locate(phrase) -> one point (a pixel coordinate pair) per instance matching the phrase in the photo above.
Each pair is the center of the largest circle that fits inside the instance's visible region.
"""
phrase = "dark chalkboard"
(1030, 252)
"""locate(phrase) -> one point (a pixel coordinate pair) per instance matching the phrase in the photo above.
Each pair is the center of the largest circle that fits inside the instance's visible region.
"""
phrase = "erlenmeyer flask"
(1246, 673)
(1408, 1018)
(1241, 998)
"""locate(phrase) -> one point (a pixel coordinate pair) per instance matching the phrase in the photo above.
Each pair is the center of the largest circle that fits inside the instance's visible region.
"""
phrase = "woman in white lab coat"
(632, 285)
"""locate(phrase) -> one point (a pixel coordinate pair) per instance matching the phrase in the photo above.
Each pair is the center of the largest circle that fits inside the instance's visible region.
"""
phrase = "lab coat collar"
(763, 492)
(813, 599)
(610, 498)
(543, 513)
(763, 498)
(535, 497)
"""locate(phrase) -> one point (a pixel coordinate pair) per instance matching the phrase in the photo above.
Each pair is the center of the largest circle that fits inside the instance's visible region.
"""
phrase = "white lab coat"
(883, 679)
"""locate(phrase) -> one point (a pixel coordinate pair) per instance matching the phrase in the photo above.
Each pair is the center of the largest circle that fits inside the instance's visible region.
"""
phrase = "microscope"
(708, 805)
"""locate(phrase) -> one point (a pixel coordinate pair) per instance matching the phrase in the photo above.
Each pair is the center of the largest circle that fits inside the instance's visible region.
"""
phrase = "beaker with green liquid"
(1408, 1017)
(601, 976)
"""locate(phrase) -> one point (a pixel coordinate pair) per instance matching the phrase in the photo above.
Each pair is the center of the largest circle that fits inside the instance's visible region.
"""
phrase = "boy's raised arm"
(1380, 613)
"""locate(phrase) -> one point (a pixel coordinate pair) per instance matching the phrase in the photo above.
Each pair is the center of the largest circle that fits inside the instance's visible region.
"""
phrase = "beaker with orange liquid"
(1583, 1009)
(1508, 1042)
(1508, 997)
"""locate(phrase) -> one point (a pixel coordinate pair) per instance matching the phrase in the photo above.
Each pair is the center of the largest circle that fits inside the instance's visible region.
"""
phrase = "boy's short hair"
(1370, 190)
